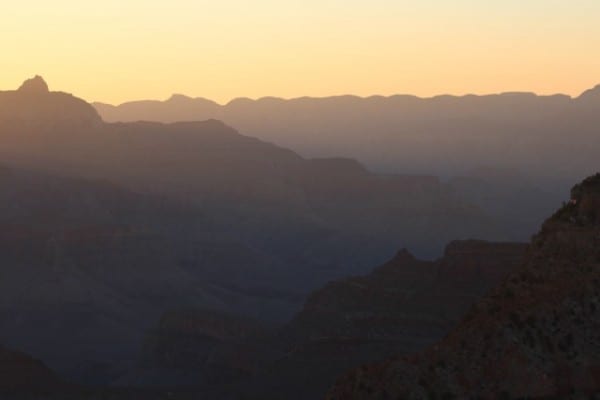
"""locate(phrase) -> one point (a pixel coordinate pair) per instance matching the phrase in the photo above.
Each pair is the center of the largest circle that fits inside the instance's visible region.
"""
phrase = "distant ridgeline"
(110, 225)
(116, 237)
(263, 194)
(550, 138)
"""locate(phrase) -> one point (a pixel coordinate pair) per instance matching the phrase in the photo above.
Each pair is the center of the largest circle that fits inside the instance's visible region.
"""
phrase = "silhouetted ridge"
(584, 207)
(20, 372)
(533, 336)
(442, 135)
(179, 97)
(590, 186)
(34, 85)
(400, 307)
(403, 256)
(591, 94)
(33, 106)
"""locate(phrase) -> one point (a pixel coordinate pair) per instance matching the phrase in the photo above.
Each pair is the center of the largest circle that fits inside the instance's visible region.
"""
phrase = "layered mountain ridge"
(109, 225)
(256, 186)
(512, 154)
(443, 135)
(119, 238)
(534, 336)
(88, 267)
(402, 306)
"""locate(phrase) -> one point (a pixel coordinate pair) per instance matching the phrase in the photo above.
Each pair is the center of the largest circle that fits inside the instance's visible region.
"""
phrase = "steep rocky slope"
(535, 336)
(402, 306)
(88, 267)
(201, 349)
(21, 373)
(407, 293)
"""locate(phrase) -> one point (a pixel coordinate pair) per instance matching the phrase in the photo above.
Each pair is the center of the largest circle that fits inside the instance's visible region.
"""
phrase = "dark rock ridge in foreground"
(402, 306)
(407, 292)
(21, 373)
(535, 336)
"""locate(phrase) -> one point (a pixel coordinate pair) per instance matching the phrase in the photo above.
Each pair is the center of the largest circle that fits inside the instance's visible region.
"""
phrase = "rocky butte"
(534, 336)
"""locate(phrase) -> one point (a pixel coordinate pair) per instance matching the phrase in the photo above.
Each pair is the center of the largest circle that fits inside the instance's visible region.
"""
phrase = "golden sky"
(118, 50)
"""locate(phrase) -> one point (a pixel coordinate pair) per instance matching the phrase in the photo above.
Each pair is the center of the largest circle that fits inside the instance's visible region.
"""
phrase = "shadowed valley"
(186, 259)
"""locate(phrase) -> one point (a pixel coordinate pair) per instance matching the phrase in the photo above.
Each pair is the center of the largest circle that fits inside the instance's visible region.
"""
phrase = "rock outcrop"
(407, 294)
(585, 199)
(35, 85)
(34, 109)
(198, 348)
(401, 307)
(21, 373)
(535, 336)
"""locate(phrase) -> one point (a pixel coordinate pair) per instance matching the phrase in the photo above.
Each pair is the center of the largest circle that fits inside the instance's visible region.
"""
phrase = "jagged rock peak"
(590, 185)
(533, 336)
(404, 255)
(36, 84)
(179, 97)
(584, 207)
(586, 197)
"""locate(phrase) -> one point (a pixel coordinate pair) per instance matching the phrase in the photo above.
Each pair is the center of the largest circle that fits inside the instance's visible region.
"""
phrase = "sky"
(118, 50)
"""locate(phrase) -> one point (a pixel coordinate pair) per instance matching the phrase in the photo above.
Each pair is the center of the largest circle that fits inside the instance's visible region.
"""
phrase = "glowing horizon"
(117, 51)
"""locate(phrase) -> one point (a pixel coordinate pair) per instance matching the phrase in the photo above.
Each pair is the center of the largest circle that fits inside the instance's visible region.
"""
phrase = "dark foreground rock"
(535, 336)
